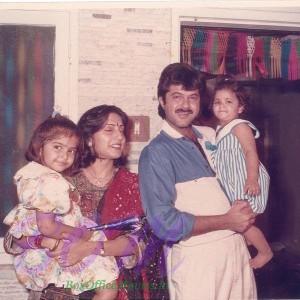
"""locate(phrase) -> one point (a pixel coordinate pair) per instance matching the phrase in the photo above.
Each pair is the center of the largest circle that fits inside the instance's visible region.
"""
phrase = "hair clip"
(56, 111)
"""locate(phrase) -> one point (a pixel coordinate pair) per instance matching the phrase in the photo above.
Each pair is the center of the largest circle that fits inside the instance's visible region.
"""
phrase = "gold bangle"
(55, 246)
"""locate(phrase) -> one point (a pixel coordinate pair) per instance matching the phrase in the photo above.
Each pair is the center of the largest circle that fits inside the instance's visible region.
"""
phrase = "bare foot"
(261, 259)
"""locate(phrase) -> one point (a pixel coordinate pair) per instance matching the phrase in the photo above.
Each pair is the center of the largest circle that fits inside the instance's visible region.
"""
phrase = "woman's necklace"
(101, 181)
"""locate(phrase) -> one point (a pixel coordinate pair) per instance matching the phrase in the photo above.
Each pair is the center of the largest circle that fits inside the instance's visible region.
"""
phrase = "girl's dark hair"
(51, 128)
(92, 121)
(227, 82)
(178, 74)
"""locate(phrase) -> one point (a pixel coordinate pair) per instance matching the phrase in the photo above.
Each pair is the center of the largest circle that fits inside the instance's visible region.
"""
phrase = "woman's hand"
(70, 253)
(59, 250)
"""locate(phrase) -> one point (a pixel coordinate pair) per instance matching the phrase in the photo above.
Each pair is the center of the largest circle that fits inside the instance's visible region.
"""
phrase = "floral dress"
(43, 189)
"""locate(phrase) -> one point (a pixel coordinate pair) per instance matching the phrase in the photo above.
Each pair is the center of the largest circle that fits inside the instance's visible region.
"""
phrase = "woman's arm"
(29, 242)
(16, 246)
(49, 227)
(74, 252)
(245, 136)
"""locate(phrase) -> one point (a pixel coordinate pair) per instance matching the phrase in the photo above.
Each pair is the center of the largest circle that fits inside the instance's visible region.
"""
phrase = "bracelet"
(38, 241)
(100, 248)
(31, 246)
(55, 246)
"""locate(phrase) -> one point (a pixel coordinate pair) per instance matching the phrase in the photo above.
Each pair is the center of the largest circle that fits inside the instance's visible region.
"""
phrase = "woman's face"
(109, 141)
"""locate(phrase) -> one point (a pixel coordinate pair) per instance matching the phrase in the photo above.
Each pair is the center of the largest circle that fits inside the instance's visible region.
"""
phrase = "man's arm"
(157, 187)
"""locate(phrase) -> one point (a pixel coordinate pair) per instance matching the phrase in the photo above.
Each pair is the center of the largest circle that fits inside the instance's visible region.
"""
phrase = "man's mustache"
(180, 110)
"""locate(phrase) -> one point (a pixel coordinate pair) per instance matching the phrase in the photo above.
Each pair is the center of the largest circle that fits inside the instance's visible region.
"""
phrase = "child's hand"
(252, 187)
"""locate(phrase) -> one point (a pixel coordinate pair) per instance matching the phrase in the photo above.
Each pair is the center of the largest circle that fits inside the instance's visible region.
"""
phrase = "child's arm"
(50, 227)
(245, 136)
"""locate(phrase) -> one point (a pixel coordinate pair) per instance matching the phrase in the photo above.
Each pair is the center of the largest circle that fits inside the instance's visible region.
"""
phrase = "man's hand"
(240, 216)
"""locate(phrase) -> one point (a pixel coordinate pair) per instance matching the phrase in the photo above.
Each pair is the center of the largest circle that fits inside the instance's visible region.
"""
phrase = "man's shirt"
(170, 159)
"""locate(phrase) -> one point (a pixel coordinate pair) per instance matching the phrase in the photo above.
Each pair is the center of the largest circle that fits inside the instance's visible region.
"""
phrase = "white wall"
(121, 52)
(116, 54)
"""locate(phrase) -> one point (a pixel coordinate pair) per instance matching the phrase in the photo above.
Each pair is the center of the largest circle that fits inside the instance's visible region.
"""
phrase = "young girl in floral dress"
(49, 206)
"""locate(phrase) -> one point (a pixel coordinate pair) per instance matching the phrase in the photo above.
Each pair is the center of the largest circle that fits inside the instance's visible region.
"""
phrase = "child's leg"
(255, 237)
(107, 293)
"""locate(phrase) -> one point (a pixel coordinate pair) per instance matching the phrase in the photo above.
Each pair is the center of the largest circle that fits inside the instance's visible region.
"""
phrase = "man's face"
(181, 107)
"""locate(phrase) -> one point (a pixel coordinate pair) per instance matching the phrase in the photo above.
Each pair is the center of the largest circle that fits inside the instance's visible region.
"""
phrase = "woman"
(109, 192)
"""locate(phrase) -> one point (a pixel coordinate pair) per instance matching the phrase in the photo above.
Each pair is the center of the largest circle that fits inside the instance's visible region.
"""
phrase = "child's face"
(226, 106)
(58, 154)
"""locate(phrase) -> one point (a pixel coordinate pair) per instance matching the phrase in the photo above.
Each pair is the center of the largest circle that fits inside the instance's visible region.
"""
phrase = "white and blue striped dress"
(230, 165)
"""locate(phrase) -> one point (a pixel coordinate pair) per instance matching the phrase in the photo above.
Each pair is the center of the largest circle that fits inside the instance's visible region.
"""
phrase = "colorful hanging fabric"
(275, 56)
(293, 63)
(214, 52)
(208, 48)
(241, 53)
(231, 54)
(188, 35)
(258, 57)
(285, 53)
(250, 52)
(198, 50)
(223, 43)
(297, 45)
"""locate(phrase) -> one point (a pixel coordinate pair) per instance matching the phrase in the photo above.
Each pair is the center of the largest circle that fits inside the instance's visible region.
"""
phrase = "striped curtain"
(248, 55)
(26, 97)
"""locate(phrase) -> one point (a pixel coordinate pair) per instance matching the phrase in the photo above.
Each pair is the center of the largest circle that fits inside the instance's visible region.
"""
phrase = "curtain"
(249, 55)
(26, 97)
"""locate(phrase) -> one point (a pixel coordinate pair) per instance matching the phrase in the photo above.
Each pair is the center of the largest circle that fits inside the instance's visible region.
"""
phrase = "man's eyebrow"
(175, 93)
(114, 124)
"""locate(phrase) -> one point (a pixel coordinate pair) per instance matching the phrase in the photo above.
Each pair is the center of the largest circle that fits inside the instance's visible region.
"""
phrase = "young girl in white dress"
(48, 206)
(236, 161)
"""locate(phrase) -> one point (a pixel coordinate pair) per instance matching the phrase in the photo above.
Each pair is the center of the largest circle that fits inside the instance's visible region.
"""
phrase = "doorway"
(275, 94)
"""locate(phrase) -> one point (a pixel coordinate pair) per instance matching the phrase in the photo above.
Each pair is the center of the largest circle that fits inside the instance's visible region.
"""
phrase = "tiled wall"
(121, 54)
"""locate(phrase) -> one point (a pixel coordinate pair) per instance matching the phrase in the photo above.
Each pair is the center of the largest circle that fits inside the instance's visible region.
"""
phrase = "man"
(185, 204)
